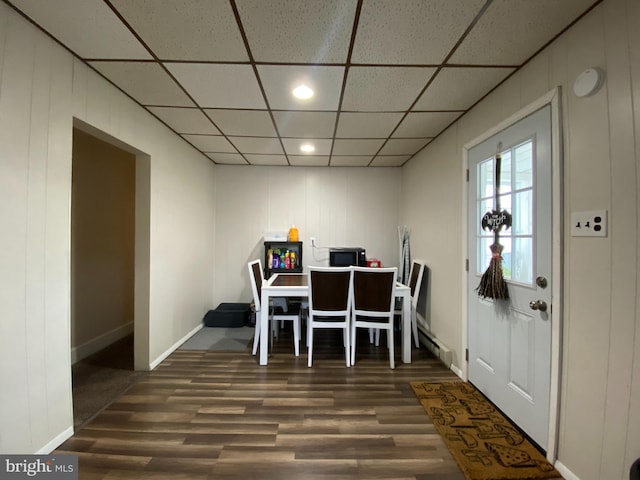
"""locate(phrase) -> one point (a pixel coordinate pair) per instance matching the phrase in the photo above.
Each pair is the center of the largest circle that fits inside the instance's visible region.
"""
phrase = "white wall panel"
(600, 327)
(624, 238)
(338, 206)
(17, 57)
(42, 88)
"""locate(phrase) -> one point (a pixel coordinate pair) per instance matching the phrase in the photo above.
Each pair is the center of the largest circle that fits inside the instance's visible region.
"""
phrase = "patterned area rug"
(483, 442)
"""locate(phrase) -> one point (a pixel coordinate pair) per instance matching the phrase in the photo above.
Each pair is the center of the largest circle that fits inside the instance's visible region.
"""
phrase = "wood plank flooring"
(220, 415)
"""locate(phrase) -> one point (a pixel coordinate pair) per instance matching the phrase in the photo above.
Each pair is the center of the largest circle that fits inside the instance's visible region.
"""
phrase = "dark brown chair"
(329, 304)
(373, 304)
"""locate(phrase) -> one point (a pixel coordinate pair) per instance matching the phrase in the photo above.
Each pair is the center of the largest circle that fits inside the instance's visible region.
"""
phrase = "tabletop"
(290, 280)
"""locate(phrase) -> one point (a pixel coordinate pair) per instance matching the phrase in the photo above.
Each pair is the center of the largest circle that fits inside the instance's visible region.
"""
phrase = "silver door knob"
(538, 305)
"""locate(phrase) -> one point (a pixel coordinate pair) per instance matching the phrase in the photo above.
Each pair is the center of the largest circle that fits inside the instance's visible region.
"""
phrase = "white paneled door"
(510, 340)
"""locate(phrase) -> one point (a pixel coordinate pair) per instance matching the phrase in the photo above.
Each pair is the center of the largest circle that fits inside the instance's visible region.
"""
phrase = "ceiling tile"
(227, 158)
(292, 146)
(403, 146)
(511, 31)
(210, 143)
(424, 124)
(305, 124)
(298, 31)
(384, 88)
(367, 125)
(146, 82)
(460, 88)
(398, 32)
(185, 120)
(198, 30)
(220, 72)
(221, 86)
(390, 160)
(309, 160)
(88, 28)
(278, 82)
(357, 146)
(257, 159)
(350, 160)
(250, 123)
(257, 145)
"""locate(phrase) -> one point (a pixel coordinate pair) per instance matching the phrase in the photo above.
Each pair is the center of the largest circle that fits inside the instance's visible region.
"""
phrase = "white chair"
(415, 283)
(329, 304)
(275, 312)
(373, 292)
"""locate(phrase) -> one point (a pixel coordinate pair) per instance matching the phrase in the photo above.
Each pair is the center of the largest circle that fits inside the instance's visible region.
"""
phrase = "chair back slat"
(413, 279)
(255, 272)
(373, 289)
(329, 290)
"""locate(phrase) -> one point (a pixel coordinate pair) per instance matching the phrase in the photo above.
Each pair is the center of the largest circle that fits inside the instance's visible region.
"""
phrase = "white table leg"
(264, 328)
(406, 328)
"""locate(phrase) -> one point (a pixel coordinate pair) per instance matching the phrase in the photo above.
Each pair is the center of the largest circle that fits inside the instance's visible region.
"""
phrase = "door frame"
(552, 98)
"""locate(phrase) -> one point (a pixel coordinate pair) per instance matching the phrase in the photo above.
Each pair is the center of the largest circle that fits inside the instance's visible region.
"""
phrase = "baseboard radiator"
(435, 346)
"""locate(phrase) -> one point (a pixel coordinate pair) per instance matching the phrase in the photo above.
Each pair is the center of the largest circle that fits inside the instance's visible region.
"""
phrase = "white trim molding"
(98, 343)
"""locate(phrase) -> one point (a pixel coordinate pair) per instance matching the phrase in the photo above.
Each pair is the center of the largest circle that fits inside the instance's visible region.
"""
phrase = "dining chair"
(276, 312)
(416, 275)
(415, 284)
(329, 304)
(373, 291)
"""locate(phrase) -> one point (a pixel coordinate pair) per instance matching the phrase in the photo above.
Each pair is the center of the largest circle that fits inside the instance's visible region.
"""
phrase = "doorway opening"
(106, 240)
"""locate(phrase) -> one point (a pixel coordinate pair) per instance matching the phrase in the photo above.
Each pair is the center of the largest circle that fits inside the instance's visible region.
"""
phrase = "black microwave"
(347, 257)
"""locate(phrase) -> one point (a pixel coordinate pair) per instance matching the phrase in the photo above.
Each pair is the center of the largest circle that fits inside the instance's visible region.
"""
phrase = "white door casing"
(513, 349)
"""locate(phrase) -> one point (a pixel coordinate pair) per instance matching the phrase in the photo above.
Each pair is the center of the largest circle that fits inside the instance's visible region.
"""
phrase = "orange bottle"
(293, 234)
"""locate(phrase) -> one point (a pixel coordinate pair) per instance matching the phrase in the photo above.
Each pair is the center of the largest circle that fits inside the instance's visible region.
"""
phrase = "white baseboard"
(565, 472)
(174, 347)
(96, 344)
(456, 370)
(55, 442)
(435, 346)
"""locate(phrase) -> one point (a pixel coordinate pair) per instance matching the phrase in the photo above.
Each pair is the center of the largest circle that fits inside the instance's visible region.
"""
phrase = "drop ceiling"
(388, 75)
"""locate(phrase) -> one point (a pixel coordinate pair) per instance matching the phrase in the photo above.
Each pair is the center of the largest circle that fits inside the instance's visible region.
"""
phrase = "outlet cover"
(589, 224)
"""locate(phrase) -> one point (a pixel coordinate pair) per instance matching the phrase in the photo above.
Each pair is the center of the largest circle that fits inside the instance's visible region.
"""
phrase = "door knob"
(538, 305)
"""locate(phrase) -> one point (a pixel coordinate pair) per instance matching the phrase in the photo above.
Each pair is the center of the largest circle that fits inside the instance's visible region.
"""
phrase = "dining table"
(297, 285)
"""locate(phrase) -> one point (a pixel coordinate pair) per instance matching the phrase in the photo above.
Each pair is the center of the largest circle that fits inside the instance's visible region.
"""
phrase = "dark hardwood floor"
(220, 415)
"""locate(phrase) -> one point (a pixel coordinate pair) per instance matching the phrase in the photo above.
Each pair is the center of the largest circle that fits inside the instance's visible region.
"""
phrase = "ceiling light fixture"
(302, 92)
(307, 148)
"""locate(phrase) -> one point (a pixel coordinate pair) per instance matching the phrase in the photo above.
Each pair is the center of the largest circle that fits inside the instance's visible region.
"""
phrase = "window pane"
(484, 206)
(505, 172)
(523, 165)
(484, 254)
(506, 257)
(485, 179)
(522, 214)
(523, 261)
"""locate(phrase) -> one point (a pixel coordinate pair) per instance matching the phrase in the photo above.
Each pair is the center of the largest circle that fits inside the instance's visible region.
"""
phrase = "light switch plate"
(589, 224)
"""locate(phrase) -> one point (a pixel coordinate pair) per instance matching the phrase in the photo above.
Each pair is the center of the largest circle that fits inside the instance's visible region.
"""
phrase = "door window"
(516, 196)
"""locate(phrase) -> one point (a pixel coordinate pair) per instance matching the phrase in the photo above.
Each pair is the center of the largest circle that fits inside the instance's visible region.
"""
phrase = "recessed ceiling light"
(302, 92)
(307, 148)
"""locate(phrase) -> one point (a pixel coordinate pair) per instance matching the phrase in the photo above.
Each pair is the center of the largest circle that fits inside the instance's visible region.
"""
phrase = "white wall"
(600, 389)
(337, 206)
(42, 89)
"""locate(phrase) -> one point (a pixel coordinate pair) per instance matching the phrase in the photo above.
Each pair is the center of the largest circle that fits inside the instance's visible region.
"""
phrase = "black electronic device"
(347, 257)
